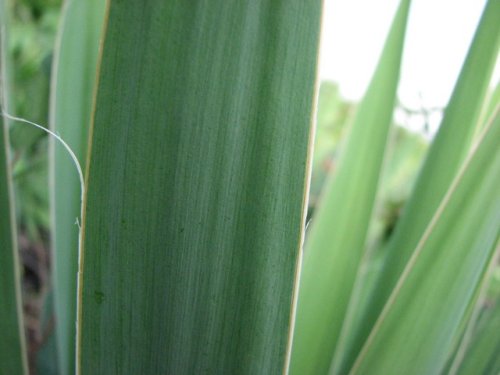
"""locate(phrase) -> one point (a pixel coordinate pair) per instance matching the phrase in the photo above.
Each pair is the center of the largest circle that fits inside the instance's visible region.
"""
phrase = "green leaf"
(12, 345)
(493, 99)
(74, 75)
(478, 350)
(417, 327)
(47, 360)
(12, 354)
(339, 230)
(445, 156)
(482, 356)
(196, 186)
(469, 317)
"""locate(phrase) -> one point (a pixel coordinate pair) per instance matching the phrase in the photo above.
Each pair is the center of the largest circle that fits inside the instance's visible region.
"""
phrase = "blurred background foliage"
(32, 36)
(405, 152)
(33, 25)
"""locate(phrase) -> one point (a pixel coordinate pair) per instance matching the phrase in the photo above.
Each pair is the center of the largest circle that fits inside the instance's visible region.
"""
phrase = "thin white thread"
(64, 144)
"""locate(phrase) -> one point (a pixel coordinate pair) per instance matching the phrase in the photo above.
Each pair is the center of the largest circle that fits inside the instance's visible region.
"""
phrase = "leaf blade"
(74, 73)
(12, 346)
(420, 321)
(338, 232)
(221, 148)
(450, 146)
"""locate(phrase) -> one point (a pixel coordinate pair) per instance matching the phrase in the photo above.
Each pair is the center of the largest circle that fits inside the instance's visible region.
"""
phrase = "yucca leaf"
(196, 185)
(12, 354)
(12, 346)
(467, 321)
(47, 357)
(415, 331)
(338, 232)
(442, 162)
(74, 75)
(491, 103)
(474, 311)
(482, 357)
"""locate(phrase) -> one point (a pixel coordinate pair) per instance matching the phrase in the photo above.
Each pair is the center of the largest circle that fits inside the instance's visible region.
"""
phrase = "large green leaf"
(196, 185)
(415, 332)
(12, 346)
(339, 230)
(442, 162)
(71, 103)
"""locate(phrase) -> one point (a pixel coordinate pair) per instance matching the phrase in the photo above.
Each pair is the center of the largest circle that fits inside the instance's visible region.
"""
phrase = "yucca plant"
(196, 141)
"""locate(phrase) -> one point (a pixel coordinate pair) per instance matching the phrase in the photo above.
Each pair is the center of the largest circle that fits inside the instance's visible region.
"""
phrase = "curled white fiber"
(60, 140)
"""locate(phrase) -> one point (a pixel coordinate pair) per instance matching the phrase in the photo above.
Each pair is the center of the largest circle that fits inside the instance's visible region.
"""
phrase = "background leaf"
(74, 74)
(12, 347)
(339, 230)
(415, 332)
(480, 303)
(481, 355)
(450, 146)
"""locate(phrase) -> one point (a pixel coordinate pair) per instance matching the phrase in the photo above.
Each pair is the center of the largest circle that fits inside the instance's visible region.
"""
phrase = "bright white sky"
(437, 39)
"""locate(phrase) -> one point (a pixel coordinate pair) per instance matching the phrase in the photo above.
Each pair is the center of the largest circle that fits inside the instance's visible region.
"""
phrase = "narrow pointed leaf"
(12, 346)
(481, 356)
(338, 233)
(474, 311)
(445, 155)
(196, 185)
(417, 327)
(71, 103)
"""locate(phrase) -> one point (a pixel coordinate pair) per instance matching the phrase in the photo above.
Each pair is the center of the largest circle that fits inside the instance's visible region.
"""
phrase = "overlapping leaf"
(12, 353)
(339, 230)
(196, 184)
(445, 156)
(416, 329)
(71, 103)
